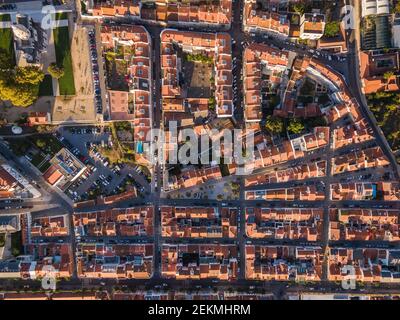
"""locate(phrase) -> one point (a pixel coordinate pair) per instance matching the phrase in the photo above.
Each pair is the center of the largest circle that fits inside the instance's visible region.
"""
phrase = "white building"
(374, 7)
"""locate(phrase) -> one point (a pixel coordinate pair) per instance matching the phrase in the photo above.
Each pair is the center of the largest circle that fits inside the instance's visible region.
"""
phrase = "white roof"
(373, 7)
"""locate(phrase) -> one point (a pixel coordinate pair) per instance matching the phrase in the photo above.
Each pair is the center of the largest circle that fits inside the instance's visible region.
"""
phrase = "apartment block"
(115, 261)
(199, 261)
(300, 172)
(284, 263)
(364, 265)
(354, 161)
(199, 222)
(305, 193)
(127, 222)
(364, 224)
(284, 223)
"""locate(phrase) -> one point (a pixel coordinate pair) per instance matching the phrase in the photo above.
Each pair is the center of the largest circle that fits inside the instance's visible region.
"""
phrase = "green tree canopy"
(295, 126)
(397, 8)
(20, 85)
(28, 75)
(299, 8)
(20, 95)
(55, 71)
(332, 29)
(387, 75)
(40, 143)
(274, 125)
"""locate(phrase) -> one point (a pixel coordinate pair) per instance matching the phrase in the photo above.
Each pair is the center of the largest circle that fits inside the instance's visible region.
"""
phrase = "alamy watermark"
(349, 280)
(49, 280)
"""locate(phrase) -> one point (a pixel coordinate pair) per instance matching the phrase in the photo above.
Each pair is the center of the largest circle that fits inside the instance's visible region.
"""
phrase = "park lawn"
(2, 239)
(61, 16)
(5, 17)
(37, 159)
(46, 86)
(16, 244)
(7, 42)
(45, 166)
(64, 59)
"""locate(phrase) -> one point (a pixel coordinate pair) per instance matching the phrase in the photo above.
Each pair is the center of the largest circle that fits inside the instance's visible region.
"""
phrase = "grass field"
(7, 43)
(61, 16)
(16, 243)
(2, 239)
(46, 86)
(5, 17)
(64, 59)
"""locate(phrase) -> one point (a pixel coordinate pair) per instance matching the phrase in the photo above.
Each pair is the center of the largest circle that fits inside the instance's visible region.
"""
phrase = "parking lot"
(95, 71)
(101, 178)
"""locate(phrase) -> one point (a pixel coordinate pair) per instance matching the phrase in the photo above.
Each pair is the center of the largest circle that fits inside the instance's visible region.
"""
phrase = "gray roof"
(9, 221)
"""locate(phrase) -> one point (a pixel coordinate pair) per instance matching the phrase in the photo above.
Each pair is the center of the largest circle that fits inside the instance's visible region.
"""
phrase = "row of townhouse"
(116, 261)
(284, 223)
(387, 191)
(364, 265)
(262, 67)
(304, 171)
(199, 222)
(135, 104)
(283, 263)
(199, 261)
(194, 12)
(353, 161)
(306, 26)
(364, 224)
(127, 222)
(303, 193)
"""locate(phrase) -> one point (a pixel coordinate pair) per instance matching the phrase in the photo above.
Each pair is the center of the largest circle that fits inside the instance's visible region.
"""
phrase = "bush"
(40, 143)
(274, 125)
(295, 126)
(332, 29)
(20, 85)
(55, 71)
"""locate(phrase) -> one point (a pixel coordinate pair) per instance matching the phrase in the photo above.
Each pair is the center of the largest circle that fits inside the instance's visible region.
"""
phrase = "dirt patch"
(198, 77)
(81, 106)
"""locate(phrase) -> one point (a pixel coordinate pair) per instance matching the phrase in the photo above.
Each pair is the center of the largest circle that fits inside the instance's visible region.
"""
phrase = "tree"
(28, 75)
(274, 125)
(295, 126)
(332, 29)
(387, 75)
(55, 71)
(212, 103)
(299, 8)
(397, 8)
(42, 128)
(40, 143)
(20, 95)
(20, 86)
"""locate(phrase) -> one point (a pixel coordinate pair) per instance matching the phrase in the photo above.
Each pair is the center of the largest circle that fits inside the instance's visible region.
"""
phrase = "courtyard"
(198, 76)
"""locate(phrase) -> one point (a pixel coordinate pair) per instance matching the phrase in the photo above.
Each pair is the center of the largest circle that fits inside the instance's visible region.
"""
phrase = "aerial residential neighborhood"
(200, 150)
